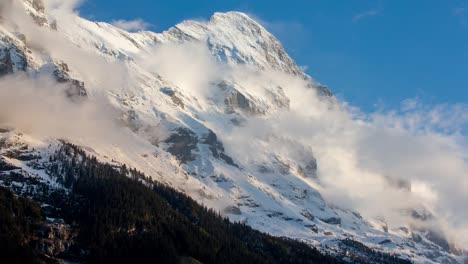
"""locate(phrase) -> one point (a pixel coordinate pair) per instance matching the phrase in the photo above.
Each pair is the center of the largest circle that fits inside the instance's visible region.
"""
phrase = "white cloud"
(409, 104)
(190, 66)
(291, 32)
(42, 97)
(45, 110)
(131, 25)
(461, 13)
(304, 68)
(460, 10)
(67, 6)
(356, 152)
(366, 14)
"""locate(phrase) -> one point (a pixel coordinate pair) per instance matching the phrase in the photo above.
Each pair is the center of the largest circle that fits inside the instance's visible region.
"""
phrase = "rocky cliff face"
(12, 56)
(53, 239)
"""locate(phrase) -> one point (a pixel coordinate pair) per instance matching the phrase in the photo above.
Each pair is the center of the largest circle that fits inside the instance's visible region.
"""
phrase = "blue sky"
(370, 53)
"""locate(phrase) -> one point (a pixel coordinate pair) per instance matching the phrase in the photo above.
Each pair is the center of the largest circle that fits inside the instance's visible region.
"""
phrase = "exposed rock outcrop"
(182, 145)
(238, 101)
(173, 95)
(12, 57)
(75, 88)
(54, 239)
(217, 148)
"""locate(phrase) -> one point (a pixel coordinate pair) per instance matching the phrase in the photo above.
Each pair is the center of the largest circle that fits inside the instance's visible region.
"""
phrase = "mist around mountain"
(215, 112)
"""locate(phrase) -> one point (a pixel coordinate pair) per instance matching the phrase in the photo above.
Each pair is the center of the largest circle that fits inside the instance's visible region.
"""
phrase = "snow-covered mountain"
(195, 108)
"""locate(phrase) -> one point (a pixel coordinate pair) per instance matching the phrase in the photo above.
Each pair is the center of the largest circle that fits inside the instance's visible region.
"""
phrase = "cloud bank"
(40, 106)
(360, 155)
(36, 103)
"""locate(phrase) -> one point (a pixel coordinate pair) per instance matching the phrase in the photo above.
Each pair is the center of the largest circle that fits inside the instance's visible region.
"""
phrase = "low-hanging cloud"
(35, 102)
(40, 106)
(190, 66)
(59, 47)
(359, 154)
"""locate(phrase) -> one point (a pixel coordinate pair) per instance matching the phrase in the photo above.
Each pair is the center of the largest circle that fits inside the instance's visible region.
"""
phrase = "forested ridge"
(123, 216)
(109, 213)
(19, 218)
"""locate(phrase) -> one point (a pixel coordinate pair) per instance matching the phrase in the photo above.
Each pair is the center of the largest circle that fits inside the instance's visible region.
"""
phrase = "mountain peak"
(236, 38)
(233, 16)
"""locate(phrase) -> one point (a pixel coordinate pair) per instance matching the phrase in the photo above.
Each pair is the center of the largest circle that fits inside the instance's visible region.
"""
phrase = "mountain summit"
(234, 37)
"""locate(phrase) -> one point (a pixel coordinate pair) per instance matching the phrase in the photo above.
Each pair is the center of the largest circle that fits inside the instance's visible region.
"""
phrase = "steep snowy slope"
(183, 99)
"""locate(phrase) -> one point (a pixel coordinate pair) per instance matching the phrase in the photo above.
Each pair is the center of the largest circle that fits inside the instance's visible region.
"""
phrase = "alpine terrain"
(207, 133)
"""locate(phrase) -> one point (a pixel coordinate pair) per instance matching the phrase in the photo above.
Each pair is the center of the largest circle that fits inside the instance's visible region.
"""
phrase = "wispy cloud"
(366, 14)
(461, 13)
(69, 6)
(409, 104)
(289, 28)
(291, 33)
(460, 10)
(131, 25)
